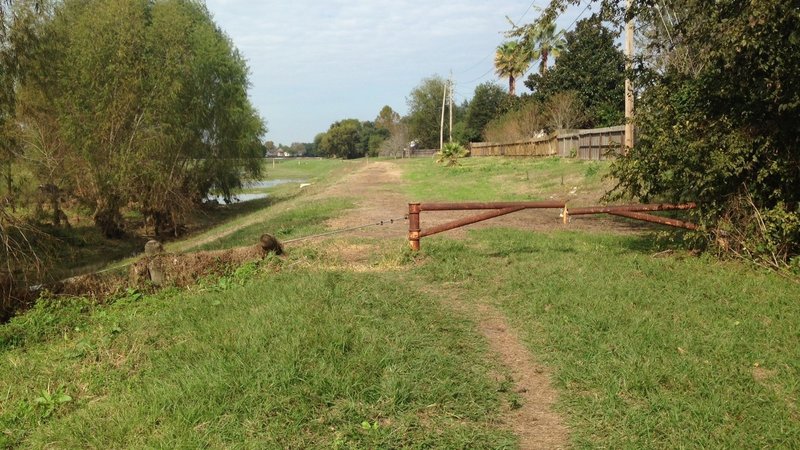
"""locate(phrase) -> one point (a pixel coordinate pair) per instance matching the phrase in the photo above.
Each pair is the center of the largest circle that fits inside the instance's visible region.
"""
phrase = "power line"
(579, 16)
(526, 11)
(480, 77)
(492, 53)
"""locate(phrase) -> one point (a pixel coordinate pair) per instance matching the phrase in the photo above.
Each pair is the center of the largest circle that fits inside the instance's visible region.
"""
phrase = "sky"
(313, 63)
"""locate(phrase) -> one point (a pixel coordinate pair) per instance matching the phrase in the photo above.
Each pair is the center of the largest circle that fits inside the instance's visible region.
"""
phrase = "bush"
(721, 129)
(450, 154)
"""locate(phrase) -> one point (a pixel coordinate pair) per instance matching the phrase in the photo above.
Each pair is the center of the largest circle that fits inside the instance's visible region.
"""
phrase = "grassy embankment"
(647, 352)
(482, 179)
(287, 213)
(82, 248)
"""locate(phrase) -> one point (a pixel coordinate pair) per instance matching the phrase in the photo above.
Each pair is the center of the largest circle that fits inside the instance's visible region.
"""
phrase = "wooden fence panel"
(594, 144)
(542, 146)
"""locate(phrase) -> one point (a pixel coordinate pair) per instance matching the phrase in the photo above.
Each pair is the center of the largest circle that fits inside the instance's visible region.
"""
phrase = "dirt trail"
(535, 422)
(378, 189)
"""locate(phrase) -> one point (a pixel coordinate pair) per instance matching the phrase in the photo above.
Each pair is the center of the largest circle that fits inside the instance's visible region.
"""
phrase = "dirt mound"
(185, 269)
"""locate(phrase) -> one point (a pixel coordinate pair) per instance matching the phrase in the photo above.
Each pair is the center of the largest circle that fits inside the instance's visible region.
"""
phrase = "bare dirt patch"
(377, 188)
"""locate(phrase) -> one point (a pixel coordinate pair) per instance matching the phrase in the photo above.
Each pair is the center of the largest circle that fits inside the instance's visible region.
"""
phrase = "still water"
(248, 196)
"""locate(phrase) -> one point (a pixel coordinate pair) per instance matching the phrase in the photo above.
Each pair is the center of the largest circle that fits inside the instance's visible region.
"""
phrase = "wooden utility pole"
(450, 130)
(441, 125)
(628, 82)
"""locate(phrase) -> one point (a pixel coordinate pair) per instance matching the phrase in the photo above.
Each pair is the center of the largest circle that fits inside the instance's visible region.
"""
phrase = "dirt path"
(535, 422)
(378, 188)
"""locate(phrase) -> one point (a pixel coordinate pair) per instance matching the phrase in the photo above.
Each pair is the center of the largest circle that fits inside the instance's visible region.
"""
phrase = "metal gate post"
(413, 226)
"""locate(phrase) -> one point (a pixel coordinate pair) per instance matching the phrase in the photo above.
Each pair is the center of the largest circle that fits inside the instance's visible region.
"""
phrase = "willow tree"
(149, 99)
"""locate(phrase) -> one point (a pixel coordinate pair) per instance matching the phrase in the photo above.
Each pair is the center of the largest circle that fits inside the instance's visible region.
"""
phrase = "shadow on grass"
(211, 217)
(82, 250)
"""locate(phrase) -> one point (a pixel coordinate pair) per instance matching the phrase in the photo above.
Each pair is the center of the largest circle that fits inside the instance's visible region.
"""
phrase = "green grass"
(676, 352)
(487, 179)
(311, 169)
(304, 219)
(295, 359)
(645, 351)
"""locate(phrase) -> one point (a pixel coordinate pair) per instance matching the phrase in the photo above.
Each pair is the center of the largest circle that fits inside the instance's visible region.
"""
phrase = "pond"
(269, 183)
(248, 196)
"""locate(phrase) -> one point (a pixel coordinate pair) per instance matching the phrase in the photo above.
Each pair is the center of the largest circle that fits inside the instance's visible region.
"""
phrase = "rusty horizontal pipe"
(630, 208)
(490, 205)
(654, 219)
(469, 220)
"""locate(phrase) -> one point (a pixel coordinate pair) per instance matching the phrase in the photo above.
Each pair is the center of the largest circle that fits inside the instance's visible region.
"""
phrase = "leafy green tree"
(424, 111)
(387, 119)
(546, 43)
(488, 102)
(539, 40)
(297, 149)
(592, 67)
(511, 60)
(717, 118)
(149, 100)
(372, 137)
(342, 140)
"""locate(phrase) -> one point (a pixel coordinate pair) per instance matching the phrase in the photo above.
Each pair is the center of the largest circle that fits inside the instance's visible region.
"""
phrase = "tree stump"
(152, 249)
(269, 243)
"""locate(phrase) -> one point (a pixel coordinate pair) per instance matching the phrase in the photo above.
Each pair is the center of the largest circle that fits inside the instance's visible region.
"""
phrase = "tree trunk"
(543, 66)
(512, 85)
(9, 188)
(108, 218)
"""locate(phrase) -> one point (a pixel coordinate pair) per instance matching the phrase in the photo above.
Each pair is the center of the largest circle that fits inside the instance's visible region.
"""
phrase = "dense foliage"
(351, 138)
(722, 128)
(488, 101)
(134, 105)
(592, 67)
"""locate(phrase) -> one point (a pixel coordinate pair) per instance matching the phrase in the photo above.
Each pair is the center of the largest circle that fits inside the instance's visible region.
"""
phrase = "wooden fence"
(597, 144)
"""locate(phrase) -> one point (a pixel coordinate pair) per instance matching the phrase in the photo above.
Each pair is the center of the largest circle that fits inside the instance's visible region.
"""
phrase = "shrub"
(450, 154)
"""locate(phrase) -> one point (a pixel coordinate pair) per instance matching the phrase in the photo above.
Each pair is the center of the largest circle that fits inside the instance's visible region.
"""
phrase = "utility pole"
(628, 82)
(441, 125)
(450, 83)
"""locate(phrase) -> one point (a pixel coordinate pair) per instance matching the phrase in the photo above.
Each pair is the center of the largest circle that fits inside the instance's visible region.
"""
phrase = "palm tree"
(511, 60)
(546, 42)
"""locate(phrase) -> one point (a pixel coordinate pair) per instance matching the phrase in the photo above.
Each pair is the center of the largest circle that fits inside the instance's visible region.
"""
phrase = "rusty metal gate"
(497, 209)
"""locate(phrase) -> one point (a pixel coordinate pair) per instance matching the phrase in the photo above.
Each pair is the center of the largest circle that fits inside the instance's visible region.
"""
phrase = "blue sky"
(315, 62)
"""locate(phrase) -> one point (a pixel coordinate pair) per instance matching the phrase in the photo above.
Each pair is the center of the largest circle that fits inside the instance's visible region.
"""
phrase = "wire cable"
(344, 230)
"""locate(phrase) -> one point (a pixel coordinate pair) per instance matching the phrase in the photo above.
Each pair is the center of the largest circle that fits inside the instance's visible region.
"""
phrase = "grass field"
(647, 349)
(486, 179)
(296, 359)
(648, 352)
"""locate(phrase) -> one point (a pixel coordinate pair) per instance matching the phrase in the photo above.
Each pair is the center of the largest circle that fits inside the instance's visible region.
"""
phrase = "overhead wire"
(579, 16)
(492, 52)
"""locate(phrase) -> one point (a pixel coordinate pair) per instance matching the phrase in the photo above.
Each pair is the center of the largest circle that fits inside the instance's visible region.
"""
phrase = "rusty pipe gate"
(497, 209)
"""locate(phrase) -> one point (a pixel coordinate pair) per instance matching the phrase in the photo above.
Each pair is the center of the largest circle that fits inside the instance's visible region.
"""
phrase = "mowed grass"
(493, 179)
(313, 170)
(268, 357)
(648, 352)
